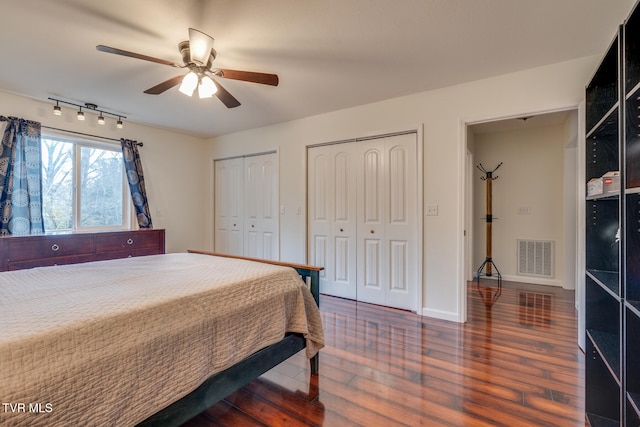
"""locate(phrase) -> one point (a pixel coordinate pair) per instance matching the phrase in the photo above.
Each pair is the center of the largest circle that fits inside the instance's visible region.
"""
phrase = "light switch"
(524, 210)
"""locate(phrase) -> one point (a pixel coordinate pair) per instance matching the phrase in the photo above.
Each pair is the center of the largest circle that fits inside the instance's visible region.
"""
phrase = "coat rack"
(488, 266)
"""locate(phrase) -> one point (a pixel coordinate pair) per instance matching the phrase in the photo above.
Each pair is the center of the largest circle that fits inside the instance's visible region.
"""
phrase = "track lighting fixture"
(88, 106)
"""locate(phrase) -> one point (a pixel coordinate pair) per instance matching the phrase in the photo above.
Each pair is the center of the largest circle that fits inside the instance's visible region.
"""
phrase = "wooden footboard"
(226, 382)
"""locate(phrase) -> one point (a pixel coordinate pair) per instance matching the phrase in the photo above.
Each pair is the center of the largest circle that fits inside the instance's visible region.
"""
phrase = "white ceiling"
(329, 54)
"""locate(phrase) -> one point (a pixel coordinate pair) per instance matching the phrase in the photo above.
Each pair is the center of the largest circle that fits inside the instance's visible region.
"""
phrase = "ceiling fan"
(198, 55)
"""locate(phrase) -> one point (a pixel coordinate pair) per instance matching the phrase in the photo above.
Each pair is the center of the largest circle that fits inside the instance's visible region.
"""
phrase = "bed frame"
(222, 384)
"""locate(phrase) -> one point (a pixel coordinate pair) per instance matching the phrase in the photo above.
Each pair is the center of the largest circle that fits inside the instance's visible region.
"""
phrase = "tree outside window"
(83, 186)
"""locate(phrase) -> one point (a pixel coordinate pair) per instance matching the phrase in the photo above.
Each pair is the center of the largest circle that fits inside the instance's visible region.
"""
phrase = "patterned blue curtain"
(136, 182)
(20, 178)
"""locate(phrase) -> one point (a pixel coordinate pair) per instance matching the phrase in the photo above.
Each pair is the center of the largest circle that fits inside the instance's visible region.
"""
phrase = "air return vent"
(535, 258)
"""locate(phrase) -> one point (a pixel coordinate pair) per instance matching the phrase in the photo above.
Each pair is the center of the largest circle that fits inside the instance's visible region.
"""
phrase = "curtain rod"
(139, 144)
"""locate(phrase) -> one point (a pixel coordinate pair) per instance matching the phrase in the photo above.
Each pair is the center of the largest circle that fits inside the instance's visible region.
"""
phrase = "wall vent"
(536, 258)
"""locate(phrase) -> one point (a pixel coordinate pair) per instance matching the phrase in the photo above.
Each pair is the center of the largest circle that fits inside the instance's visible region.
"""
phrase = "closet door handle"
(130, 242)
(372, 232)
(341, 230)
(55, 247)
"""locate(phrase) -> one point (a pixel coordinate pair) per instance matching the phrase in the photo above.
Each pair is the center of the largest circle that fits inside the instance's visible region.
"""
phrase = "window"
(83, 186)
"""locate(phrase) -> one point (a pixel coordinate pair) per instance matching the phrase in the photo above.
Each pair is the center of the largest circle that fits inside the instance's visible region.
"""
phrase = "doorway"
(534, 227)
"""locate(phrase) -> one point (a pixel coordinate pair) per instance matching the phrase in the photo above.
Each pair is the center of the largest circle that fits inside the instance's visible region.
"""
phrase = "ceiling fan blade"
(226, 98)
(108, 49)
(250, 76)
(166, 85)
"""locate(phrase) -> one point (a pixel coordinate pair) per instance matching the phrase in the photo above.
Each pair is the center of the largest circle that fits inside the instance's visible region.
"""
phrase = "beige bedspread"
(112, 342)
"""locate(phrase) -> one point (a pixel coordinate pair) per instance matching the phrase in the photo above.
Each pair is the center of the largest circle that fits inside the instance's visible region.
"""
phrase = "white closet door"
(388, 222)
(372, 249)
(332, 218)
(261, 206)
(363, 220)
(228, 206)
(401, 227)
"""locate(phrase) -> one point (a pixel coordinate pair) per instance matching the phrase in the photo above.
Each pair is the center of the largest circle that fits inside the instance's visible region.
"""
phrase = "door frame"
(466, 203)
(418, 305)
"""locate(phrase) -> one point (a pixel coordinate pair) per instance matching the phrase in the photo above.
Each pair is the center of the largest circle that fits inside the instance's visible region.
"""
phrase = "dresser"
(18, 252)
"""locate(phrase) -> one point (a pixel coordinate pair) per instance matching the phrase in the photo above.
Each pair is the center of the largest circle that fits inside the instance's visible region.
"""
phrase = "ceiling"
(329, 54)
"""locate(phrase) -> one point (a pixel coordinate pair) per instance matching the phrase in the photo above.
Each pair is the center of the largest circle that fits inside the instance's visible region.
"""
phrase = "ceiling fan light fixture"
(200, 45)
(207, 87)
(189, 83)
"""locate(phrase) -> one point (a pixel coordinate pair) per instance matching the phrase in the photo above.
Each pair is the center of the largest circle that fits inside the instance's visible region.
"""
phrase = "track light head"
(80, 114)
(57, 111)
(119, 123)
(101, 119)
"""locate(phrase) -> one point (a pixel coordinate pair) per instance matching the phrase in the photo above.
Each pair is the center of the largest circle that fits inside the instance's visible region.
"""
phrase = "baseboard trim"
(441, 314)
(525, 279)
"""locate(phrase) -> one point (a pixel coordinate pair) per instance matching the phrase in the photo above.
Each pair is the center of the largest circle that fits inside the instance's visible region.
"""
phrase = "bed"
(152, 340)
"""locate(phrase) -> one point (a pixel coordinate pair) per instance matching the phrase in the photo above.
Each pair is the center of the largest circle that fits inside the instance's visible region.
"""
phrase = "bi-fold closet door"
(363, 217)
(245, 205)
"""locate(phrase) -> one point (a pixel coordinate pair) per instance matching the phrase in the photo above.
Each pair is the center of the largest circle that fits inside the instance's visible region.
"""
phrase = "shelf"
(632, 141)
(632, 52)
(634, 306)
(602, 91)
(633, 91)
(602, 223)
(632, 244)
(632, 362)
(607, 196)
(602, 146)
(630, 191)
(608, 346)
(609, 280)
(634, 400)
(597, 421)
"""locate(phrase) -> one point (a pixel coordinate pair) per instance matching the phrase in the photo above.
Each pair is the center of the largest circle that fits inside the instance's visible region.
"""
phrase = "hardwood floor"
(514, 363)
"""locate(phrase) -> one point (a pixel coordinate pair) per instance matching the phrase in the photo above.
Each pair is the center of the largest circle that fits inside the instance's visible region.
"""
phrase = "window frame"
(127, 204)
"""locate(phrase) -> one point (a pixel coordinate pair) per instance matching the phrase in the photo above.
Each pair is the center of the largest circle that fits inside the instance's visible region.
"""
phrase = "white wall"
(174, 169)
(443, 114)
(531, 177)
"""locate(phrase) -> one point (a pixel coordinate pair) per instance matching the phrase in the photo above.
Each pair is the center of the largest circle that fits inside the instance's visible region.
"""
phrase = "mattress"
(113, 342)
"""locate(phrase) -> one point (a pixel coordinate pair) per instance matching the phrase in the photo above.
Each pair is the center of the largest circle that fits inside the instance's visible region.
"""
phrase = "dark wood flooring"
(514, 363)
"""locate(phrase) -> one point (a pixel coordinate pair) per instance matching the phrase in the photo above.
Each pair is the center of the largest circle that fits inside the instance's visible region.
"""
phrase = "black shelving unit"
(632, 215)
(604, 292)
(631, 283)
(612, 395)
